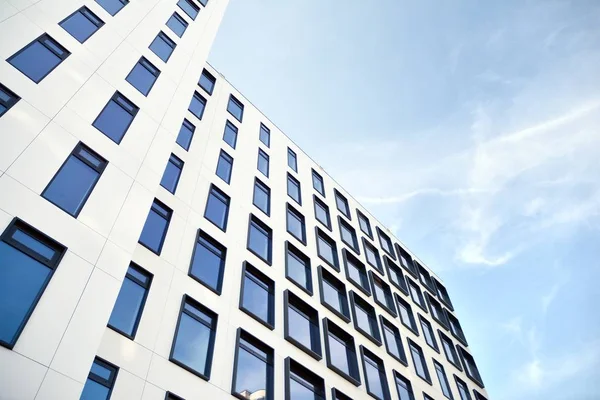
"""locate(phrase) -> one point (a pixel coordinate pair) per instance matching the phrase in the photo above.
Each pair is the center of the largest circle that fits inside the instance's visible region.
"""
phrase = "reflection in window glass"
(39, 58)
(208, 262)
(217, 208)
(115, 118)
(258, 295)
(82, 24)
(259, 239)
(129, 306)
(156, 226)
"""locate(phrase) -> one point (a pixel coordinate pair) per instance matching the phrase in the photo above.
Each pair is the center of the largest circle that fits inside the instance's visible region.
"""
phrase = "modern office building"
(162, 239)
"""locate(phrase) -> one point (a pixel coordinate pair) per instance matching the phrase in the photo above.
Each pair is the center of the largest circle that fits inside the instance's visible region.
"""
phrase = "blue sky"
(472, 129)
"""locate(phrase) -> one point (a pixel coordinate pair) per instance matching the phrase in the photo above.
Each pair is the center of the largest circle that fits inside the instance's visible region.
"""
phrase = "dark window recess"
(39, 58)
(333, 294)
(262, 197)
(217, 207)
(302, 325)
(375, 378)
(386, 243)
(208, 262)
(112, 6)
(428, 333)
(189, 7)
(327, 249)
(301, 383)
(162, 46)
(186, 134)
(365, 319)
(265, 135)
(348, 235)
(207, 81)
(393, 340)
(263, 163)
(437, 311)
(441, 374)
(293, 189)
(382, 293)
(177, 24)
(322, 212)
(365, 224)
(172, 173)
(340, 351)
(317, 181)
(224, 166)
(406, 261)
(197, 105)
(443, 294)
(356, 272)
(260, 239)
(235, 108)
(337, 395)
(297, 268)
(426, 279)
(416, 294)
(418, 360)
(427, 397)
(372, 255)
(456, 329)
(478, 396)
(342, 204)
(449, 350)
(194, 340)
(406, 314)
(156, 227)
(258, 296)
(100, 381)
(253, 368)
(292, 160)
(172, 396)
(395, 275)
(29, 259)
(75, 180)
(295, 224)
(404, 387)
(7, 99)
(115, 117)
(230, 134)
(143, 76)
(463, 389)
(128, 309)
(82, 24)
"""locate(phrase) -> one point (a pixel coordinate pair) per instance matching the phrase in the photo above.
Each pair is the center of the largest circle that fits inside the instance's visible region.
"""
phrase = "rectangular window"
(322, 212)
(470, 366)
(416, 294)
(7, 99)
(443, 294)
(262, 197)
(295, 224)
(115, 117)
(365, 224)
(297, 268)
(189, 7)
(253, 374)
(382, 294)
(156, 227)
(372, 255)
(404, 387)
(393, 341)
(263, 163)
(29, 259)
(162, 46)
(340, 351)
(356, 272)
(128, 308)
(437, 311)
(186, 134)
(224, 166)
(386, 243)
(342, 204)
(441, 374)
(348, 235)
(317, 181)
(143, 76)
(293, 189)
(177, 24)
(194, 339)
(265, 135)
(327, 249)
(301, 383)
(208, 262)
(112, 6)
(260, 239)
(100, 380)
(75, 180)
(406, 314)
(418, 360)
(449, 350)
(82, 24)
(395, 275)
(258, 296)
(172, 173)
(406, 261)
(428, 333)
(217, 207)
(230, 134)
(197, 106)
(292, 160)
(207, 82)
(333, 294)
(365, 319)
(235, 108)
(302, 325)
(39, 58)
(463, 389)
(374, 372)
(426, 279)
(456, 329)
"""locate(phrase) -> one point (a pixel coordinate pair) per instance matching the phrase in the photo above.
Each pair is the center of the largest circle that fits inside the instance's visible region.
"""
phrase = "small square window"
(172, 173)
(262, 197)
(263, 163)
(449, 350)
(340, 352)
(365, 224)
(253, 371)
(258, 296)
(224, 166)
(382, 294)
(348, 235)
(207, 81)
(208, 262)
(406, 261)
(333, 294)
(235, 108)
(419, 362)
(395, 275)
(100, 381)
(295, 224)
(428, 333)
(7, 99)
(364, 317)
(186, 134)
(143, 76)
(386, 243)
(322, 212)
(189, 8)
(416, 294)
(128, 308)
(162, 46)
(372, 255)
(197, 106)
(230, 134)
(301, 383)
(82, 24)
(155, 229)
(112, 6)
(443, 380)
(302, 325)
(265, 135)
(406, 314)
(292, 160)
(260, 239)
(356, 272)
(293, 189)
(217, 207)
(342, 204)
(177, 24)
(116, 117)
(327, 249)
(437, 311)
(393, 340)
(297, 268)
(39, 58)
(375, 378)
(318, 183)
(404, 387)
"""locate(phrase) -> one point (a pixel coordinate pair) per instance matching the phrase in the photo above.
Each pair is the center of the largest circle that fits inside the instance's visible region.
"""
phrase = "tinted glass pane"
(390, 340)
(341, 204)
(300, 392)
(404, 314)
(191, 344)
(251, 374)
(293, 190)
(418, 361)
(292, 161)
(265, 135)
(348, 236)
(127, 307)
(71, 186)
(113, 121)
(36, 61)
(177, 25)
(374, 380)
(261, 198)
(34, 244)
(186, 133)
(297, 270)
(207, 82)
(371, 257)
(362, 319)
(325, 250)
(299, 327)
(295, 225)
(230, 134)
(21, 279)
(364, 225)
(355, 273)
(256, 298)
(443, 381)
(332, 296)
(216, 211)
(207, 264)
(153, 231)
(2, 109)
(339, 354)
(235, 108)
(322, 214)
(112, 6)
(379, 293)
(170, 177)
(161, 48)
(428, 333)
(141, 78)
(224, 168)
(79, 26)
(94, 391)
(197, 106)
(404, 390)
(188, 8)
(263, 163)
(259, 241)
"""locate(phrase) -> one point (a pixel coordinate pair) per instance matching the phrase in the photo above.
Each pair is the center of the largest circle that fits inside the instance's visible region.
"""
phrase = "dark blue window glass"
(292, 161)
(375, 376)
(82, 24)
(100, 381)
(303, 384)
(189, 8)
(235, 108)
(342, 204)
(302, 324)
(341, 353)
(262, 197)
(143, 75)
(7, 99)
(265, 135)
(419, 361)
(258, 297)
(208, 262)
(75, 180)
(115, 118)
(112, 6)
(318, 183)
(203, 2)
(230, 134)
(364, 223)
(293, 189)
(348, 235)
(217, 208)
(194, 340)
(39, 58)
(207, 81)
(170, 177)
(441, 374)
(295, 224)
(254, 367)
(186, 134)
(197, 105)
(259, 239)
(298, 268)
(386, 243)
(162, 46)
(177, 24)
(28, 259)
(322, 213)
(156, 226)
(224, 166)
(263, 162)
(393, 342)
(326, 249)
(129, 306)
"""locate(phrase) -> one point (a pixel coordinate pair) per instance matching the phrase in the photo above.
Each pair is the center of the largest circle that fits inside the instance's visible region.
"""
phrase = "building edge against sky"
(145, 203)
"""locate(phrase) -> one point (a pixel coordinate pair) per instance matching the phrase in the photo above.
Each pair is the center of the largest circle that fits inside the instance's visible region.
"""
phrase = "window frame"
(362, 217)
(433, 303)
(258, 182)
(292, 158)
(339, 196)
(13, 99)
(395, 270)
(266, 159)
(425, 278)
(300, 217)
(366, 288)
(168, 41)
(342, 224)
(227, 203)
(406, 261)
(420, 300)
(296, 182)
(265, 228)
(258, 275)
(267, 131)
(124, 2)
(234, 129)
(409, 388)
(119, 99)
(384, 237)
(107, 383)
(397, 337)
(413, 323)
(312, 314)
(337, 395)
(364, 352)
(440, 372)
(290, 248)
(332, 280)
(368, 246)
(459, 382)
(173, 160)
(444, 339)
(238, 103)
(319, 203)
(478, 396)
(166, 230)
(210, 77)
(425, 321)
(349, 343)
(151, 68)
(223, 155)
(442, 294)
(189, 126)
(181, 20)
(319, 233)
(172, 396)
(200, 234)
(99, 23)
(412, 345)
(305, 374)
(389, 306)
(456, 329)
(193, 5)
(319, 178)
(202, 100)
(269, 362)
(369, 309)
(41, 40)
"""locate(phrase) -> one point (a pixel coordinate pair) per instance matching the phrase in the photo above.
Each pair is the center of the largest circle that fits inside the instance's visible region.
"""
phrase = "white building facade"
(162, 239)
